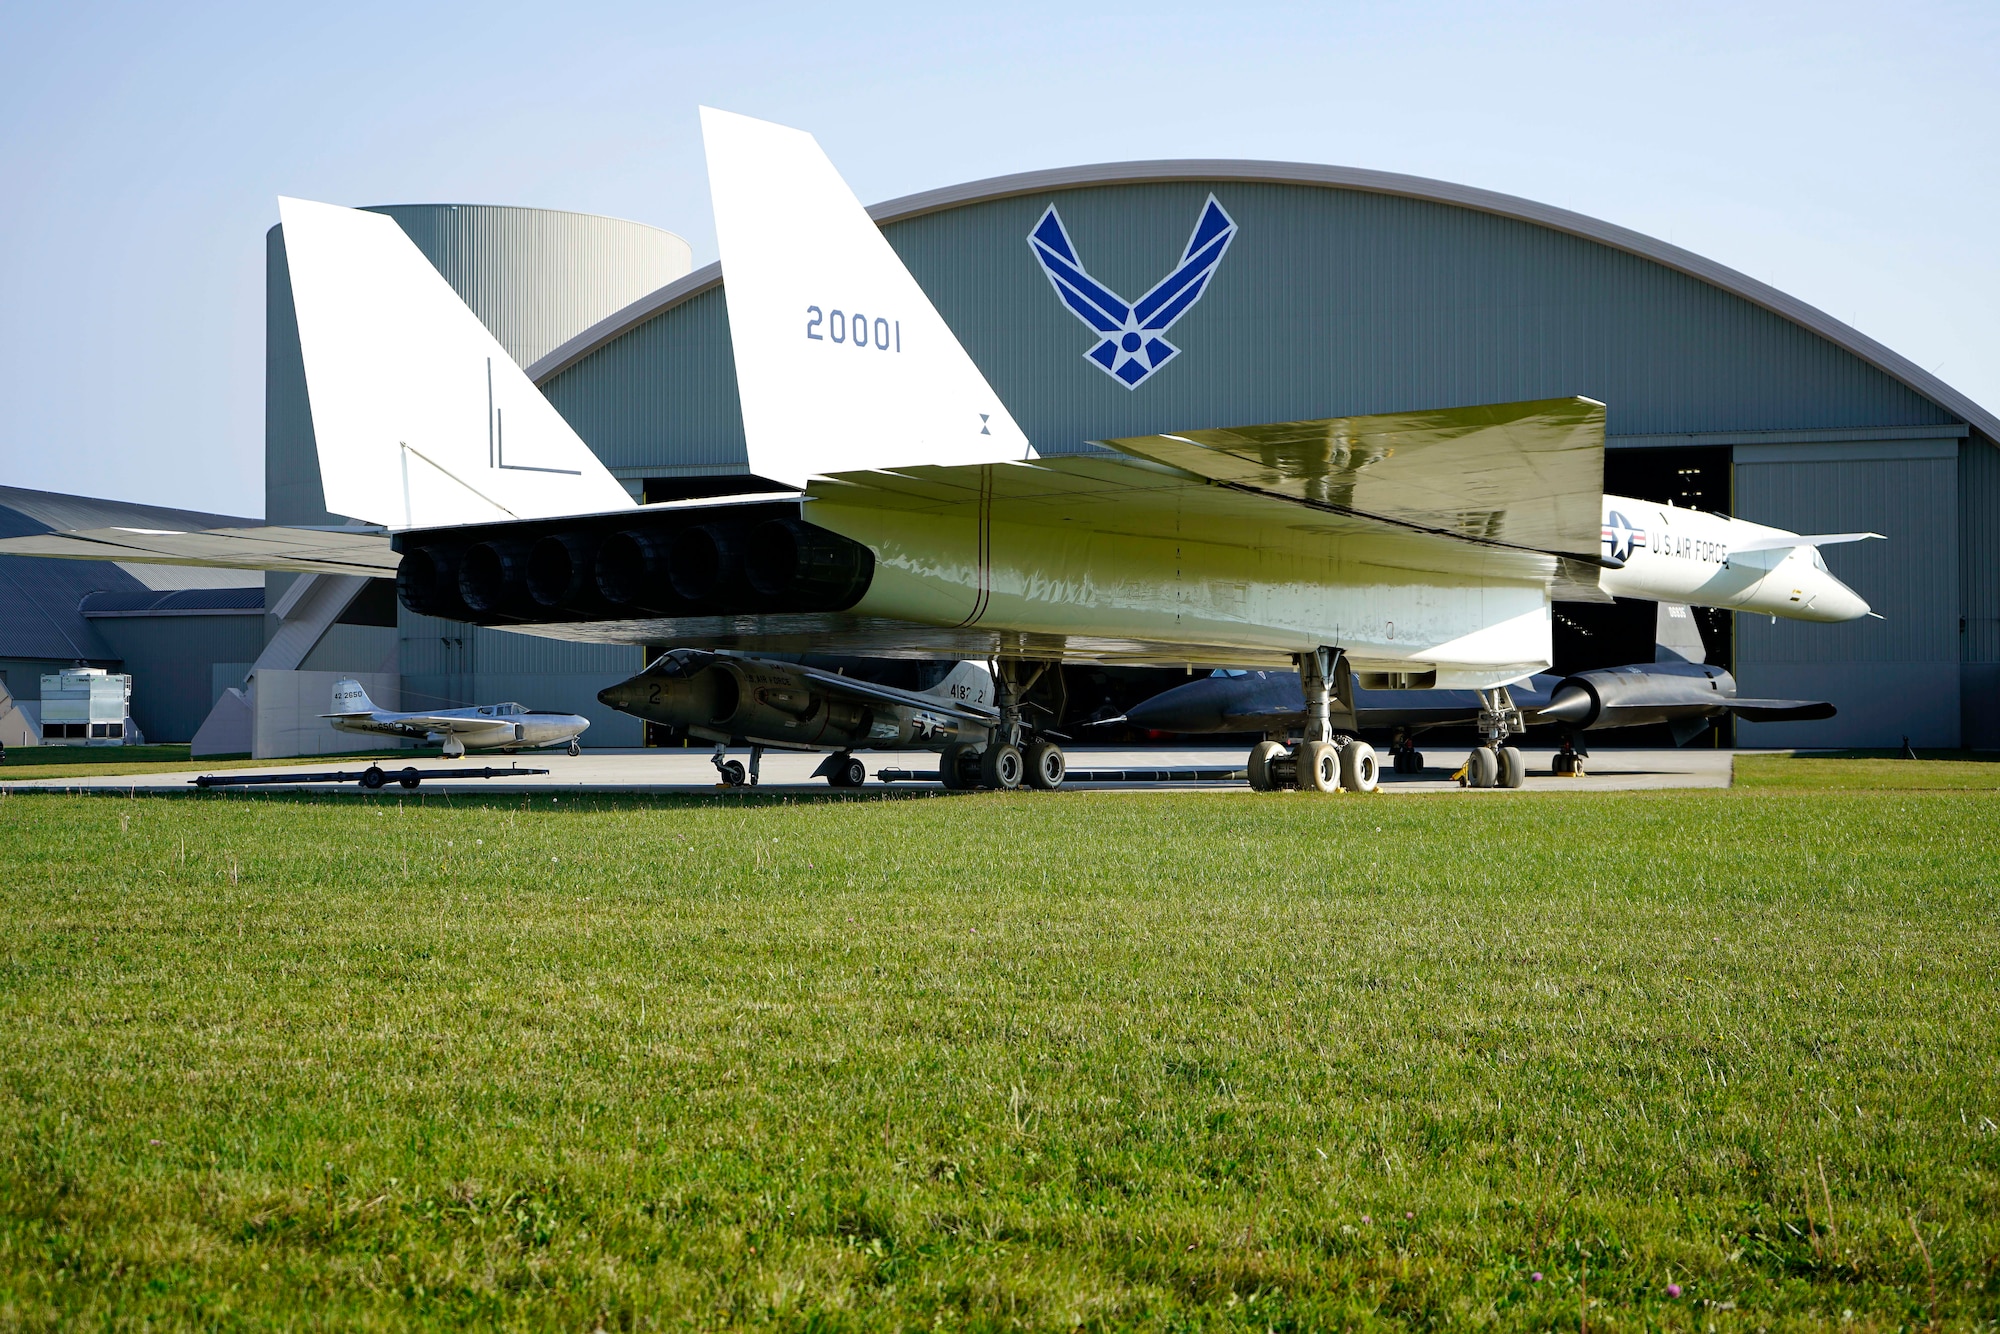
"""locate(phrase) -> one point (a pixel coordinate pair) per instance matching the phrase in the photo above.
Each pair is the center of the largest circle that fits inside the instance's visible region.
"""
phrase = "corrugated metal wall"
(1890, 678)
(535, 277)
(661, 400)
(171, 660)
(1330, 301)
(1979, 594)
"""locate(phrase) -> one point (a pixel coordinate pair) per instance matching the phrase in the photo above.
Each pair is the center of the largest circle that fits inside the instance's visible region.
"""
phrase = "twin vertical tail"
(842, 362)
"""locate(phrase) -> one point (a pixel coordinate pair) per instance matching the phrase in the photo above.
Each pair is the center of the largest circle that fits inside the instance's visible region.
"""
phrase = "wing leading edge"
(362, 551)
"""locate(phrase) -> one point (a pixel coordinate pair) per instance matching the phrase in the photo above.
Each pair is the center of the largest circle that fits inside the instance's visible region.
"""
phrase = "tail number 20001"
(857, 330)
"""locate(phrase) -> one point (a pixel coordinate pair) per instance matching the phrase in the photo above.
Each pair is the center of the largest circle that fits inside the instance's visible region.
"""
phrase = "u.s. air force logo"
(1131, 345)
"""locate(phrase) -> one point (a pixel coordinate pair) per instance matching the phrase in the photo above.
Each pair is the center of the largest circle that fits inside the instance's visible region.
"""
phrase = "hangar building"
(1344, 292)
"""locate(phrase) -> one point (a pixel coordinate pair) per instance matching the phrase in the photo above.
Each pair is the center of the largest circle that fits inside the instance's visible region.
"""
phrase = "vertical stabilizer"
(422, 418)
(1677, 635)
(349, 699)
(842, 362)
(967, 683)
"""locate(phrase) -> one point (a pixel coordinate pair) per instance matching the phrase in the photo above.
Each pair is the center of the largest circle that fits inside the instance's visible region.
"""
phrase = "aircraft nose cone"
(1163, 713)
(1840, 603)
(1570, 704)
(613, 697)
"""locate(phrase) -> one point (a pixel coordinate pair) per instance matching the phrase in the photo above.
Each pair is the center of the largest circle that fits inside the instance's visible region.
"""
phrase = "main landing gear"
(1569, 760)
(1321, 761)
(1010, 759)
(1404, 757)
(1493, 763)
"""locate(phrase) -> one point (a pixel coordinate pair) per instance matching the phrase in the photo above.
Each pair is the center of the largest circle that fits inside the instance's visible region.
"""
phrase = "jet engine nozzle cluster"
(712, 560)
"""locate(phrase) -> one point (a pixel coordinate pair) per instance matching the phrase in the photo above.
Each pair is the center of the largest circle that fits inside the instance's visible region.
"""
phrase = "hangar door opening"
(1593, 635)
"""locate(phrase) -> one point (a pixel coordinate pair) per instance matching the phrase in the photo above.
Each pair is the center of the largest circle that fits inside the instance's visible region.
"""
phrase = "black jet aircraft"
(1677, 689)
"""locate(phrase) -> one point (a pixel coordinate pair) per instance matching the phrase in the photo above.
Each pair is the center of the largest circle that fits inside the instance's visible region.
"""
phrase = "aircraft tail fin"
(842, 362)
(966, 683)
(422, 419)
(350, 699)
(1677, 635)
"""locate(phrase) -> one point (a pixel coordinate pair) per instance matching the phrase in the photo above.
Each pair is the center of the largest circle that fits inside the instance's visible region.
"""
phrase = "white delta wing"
(421, 417)
(842, 362)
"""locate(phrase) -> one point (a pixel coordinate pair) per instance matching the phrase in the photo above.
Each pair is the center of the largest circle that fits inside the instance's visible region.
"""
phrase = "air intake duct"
(427, 581)
(802, 567)
(493, 577)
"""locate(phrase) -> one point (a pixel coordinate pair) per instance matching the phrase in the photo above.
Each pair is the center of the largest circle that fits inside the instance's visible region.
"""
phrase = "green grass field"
(1682, 1060)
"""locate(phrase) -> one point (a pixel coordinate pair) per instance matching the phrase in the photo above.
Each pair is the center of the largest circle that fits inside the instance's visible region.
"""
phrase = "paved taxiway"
(690, 770)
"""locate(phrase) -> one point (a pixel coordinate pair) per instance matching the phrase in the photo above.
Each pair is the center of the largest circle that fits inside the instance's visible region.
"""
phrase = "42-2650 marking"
(856, 330)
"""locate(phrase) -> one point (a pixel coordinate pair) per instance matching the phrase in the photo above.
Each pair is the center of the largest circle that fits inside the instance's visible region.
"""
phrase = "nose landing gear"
(731, 773)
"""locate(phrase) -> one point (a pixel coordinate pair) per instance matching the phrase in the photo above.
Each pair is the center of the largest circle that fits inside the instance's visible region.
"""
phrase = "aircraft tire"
(1513, 767)
(849, 772)
(732, 773)
(1259, 766)
(1359, 770)
(372, 777)
(1319, 766)
(575, 748)
(951, 767)
(1001, 768)
(1046, 766)
(410, 777)
(1482, 767)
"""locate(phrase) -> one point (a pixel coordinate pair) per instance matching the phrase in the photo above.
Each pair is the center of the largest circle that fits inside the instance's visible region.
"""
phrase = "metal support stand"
(756, 760)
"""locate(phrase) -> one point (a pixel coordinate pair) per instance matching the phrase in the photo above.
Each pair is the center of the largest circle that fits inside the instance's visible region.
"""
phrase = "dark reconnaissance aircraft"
(1676, 689)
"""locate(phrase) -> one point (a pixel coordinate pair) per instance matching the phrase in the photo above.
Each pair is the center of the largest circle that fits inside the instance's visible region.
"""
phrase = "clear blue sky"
(1847, 154)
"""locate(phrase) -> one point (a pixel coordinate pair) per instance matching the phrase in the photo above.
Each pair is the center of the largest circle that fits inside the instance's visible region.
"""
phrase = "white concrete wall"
(288, 705)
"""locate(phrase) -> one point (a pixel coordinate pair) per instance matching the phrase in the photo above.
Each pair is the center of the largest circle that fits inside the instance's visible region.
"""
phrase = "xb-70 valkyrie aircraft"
(1412, 550)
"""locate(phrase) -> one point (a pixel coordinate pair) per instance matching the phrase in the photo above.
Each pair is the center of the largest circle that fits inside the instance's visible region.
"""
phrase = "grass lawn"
(1701, 1059)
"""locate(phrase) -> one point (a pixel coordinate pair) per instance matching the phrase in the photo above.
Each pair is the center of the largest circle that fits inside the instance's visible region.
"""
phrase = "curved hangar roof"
(1344, 291)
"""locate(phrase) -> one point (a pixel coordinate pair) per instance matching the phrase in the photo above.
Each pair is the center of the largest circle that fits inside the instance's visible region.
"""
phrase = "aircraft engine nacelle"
(726, 559)
(1628, 697)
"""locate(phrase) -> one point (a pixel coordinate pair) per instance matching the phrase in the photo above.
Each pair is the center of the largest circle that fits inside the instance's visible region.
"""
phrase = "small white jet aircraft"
(507, 727)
